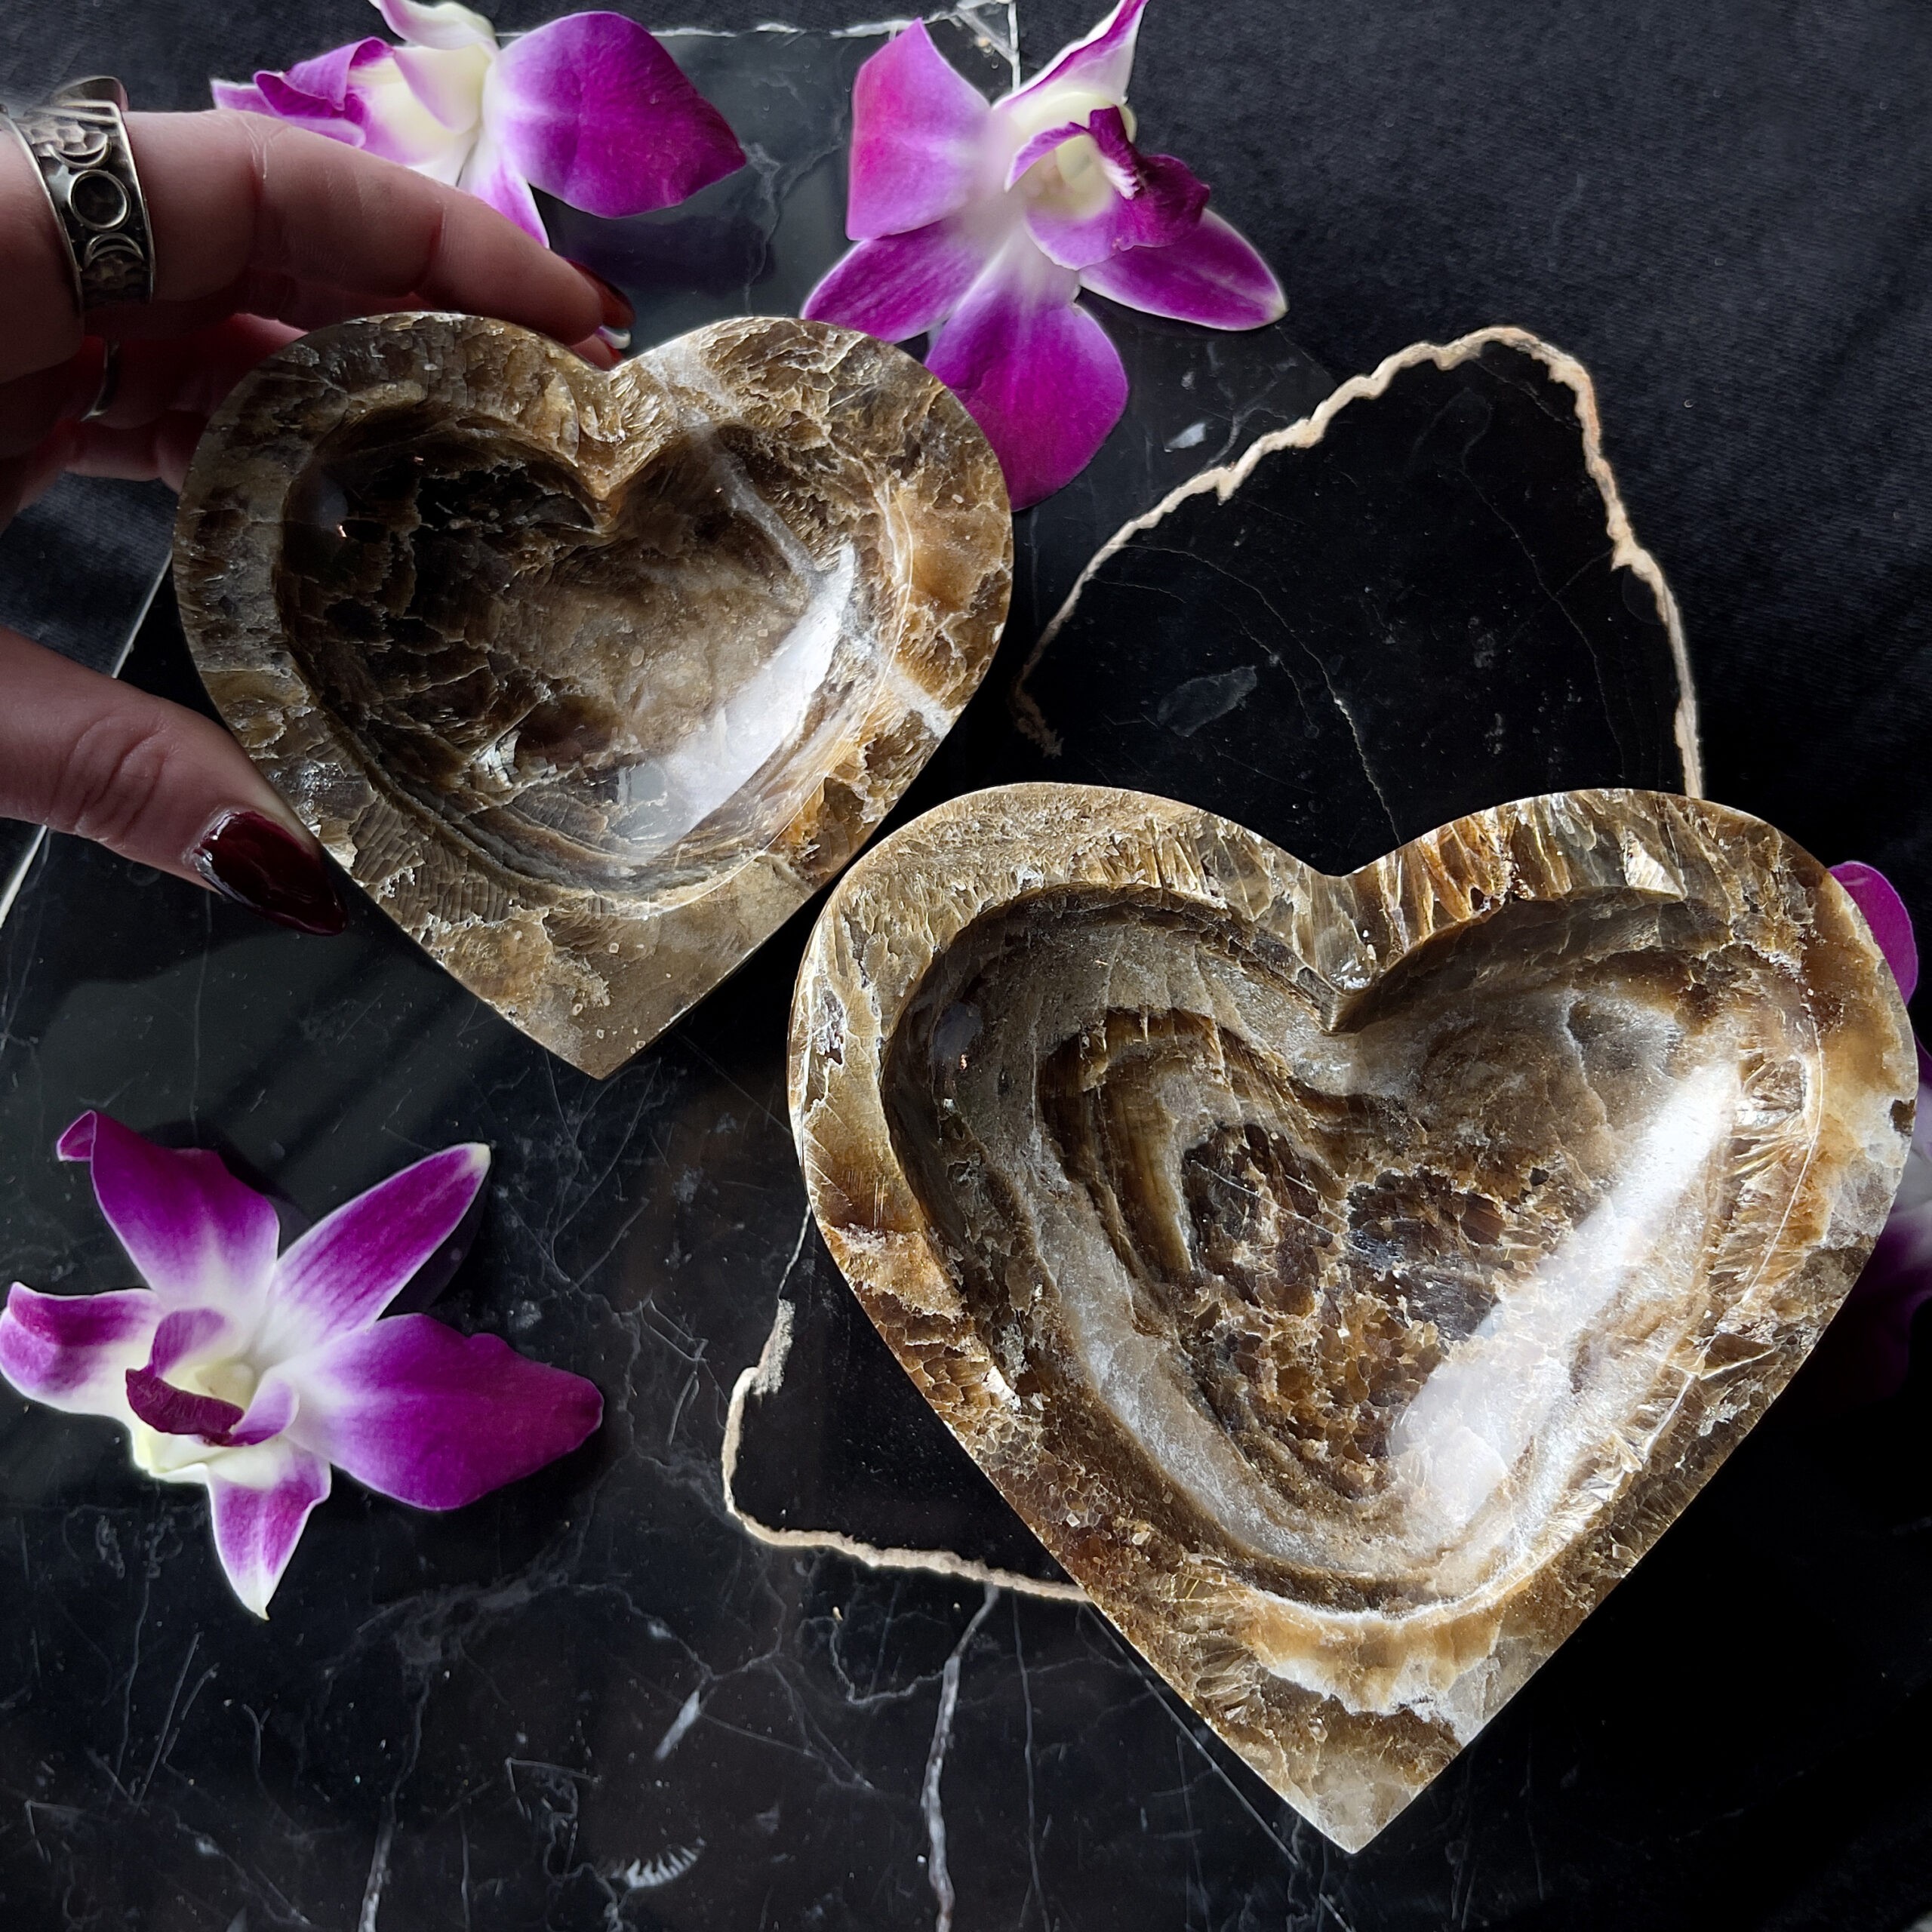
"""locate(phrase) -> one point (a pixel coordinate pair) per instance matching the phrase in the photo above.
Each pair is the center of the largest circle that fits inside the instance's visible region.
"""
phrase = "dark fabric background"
(1723, 207)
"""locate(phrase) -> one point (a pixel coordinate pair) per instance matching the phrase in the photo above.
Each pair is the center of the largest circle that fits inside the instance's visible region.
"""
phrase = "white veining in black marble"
(593, 1701)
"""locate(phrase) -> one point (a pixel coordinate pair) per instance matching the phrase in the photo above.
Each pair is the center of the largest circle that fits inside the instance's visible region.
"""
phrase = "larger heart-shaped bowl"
(1348, 1279)
(592, 680)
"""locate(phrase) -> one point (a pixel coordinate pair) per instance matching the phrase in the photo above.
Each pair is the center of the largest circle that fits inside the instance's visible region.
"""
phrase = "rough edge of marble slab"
(1626, 553)
(765, 1377)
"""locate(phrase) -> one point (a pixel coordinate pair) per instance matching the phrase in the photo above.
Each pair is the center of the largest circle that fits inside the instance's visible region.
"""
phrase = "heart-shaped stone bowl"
(590, 680)
(1347, 1278)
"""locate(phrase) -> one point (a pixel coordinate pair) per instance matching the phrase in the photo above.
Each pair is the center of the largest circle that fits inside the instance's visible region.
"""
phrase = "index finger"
(239, 202)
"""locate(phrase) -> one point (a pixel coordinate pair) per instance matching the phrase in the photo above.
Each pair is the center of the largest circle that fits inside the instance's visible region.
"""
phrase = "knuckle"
(112, 778)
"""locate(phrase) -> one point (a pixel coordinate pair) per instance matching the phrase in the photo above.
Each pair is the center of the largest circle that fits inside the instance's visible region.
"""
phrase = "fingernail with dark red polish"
(618, 313)
(259, 864)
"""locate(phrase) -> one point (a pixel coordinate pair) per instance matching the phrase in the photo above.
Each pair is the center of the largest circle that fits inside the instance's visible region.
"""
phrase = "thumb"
(155, 782)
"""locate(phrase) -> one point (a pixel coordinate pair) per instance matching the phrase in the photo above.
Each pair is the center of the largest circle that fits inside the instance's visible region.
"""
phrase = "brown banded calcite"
(1347, 1278)
(592, 680)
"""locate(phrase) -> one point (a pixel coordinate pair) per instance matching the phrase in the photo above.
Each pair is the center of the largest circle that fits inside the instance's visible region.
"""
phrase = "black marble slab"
(1431, 607)
(594, 1700)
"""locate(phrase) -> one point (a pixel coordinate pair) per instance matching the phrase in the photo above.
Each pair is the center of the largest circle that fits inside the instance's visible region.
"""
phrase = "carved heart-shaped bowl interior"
(592, 680)
(1347, 1278)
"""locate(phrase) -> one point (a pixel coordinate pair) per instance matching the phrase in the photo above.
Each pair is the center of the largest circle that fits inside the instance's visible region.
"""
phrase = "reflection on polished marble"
(1348, 1279)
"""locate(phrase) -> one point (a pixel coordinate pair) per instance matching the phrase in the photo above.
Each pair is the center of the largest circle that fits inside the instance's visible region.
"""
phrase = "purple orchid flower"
(984, 222)
(251, 1373)
(590, 108)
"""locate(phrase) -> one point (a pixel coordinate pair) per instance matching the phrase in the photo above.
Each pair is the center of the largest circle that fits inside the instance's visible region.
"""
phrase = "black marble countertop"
(766, 1652)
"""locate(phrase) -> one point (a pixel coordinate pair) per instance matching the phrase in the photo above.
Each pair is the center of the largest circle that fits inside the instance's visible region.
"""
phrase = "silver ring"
(78, 141)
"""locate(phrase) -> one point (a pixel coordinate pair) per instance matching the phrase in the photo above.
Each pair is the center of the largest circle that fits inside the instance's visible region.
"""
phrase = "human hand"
(260, 230)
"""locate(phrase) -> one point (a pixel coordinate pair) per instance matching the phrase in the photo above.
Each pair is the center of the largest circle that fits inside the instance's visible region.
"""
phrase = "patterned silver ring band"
(78, 141)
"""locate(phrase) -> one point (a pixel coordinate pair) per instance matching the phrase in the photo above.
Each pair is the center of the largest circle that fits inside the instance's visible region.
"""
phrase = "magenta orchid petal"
(591, 109)
(251, 1393)
(1036, 372)
(1040, 145)
(1211, 276)
(418, 1412)
(898, 285)
(271, 1412)
(73, 1351)
(917, 128)
(1132, 201)
(1103, 64)
(196, 1234)
(306, 110)
(346, 1269)
(980, 226)
(1876, 896)
(443, 24)
(328, 80)
(182, 1333)
(490, 177)
(241, 96)
(173, 1411)
(257, 1527)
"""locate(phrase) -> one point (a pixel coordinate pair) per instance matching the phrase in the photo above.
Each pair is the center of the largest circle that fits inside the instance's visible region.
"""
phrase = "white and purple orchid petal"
(1111, 197)
(242, 97)
(1212, 275)
(398, 127)
(269, 1413)
(591, 109)
(73, 1351)
(898, 285)
(328, 94)
(1876, 896)
(1037, 147)
(488, 176)
(346, 1270)
(1036, 372)
(184, 1332)
(199, 1237)
(443, 24)
(918, 124)
(420, 1413)
(258, 1524)
(175, 1411)
(447, 85)
(1103, 64)
(302, 110)
(327, 81)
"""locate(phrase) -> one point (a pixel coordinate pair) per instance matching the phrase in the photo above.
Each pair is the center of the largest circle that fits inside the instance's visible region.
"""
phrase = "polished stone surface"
(1425, 599)
(529, 1715)
(457, 1722)
(1348, 1279)
(1426, 594)
(590, 681)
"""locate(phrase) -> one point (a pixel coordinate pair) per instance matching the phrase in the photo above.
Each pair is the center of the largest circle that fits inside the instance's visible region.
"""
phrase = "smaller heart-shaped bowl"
(591, 680)
(1348, 1279)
